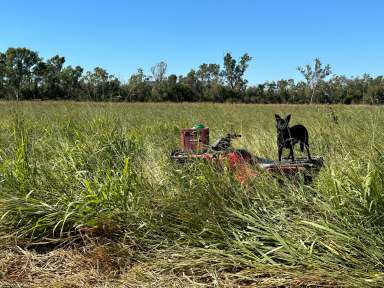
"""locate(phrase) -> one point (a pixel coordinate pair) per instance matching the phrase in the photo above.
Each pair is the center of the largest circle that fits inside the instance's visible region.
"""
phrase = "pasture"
(89, 198)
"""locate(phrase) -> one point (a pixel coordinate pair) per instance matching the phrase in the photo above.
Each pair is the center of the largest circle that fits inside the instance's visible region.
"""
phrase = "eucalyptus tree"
(208, 74)
(70, 80)
(159, 71)
(137, 88)
(209, 77)
(234, 71)
(314, 75)
(18, 65)
(2, 75)
(49, 72)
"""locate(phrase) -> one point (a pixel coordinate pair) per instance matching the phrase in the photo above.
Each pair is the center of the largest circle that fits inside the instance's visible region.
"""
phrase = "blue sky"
(122, 36)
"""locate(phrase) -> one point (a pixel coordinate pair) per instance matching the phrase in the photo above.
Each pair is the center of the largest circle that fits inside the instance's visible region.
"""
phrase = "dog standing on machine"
(287, 137)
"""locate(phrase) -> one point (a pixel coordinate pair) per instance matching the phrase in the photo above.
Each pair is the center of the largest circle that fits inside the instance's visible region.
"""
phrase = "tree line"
(24, 75)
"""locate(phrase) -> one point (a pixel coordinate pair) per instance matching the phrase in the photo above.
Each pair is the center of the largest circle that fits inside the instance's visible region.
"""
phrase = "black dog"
(287, 136)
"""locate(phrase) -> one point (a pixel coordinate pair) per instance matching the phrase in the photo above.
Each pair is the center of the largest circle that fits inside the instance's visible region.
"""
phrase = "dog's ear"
(288, 118)
(277, 116)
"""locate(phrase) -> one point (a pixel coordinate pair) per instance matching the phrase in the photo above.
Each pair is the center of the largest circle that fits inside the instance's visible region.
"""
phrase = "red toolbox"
(194, 139)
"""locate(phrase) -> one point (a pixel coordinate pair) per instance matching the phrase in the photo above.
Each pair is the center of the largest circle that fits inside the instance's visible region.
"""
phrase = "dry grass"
(97, 265)
(88, 266)
(149, 276)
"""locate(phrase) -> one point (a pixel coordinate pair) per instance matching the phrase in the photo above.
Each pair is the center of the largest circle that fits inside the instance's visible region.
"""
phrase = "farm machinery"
(194, 146)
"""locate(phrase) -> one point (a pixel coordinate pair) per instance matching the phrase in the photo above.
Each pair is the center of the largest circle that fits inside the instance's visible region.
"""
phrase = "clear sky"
(123, 35)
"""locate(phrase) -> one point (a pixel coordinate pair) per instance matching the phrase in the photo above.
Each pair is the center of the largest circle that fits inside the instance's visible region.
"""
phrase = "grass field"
(89, 198)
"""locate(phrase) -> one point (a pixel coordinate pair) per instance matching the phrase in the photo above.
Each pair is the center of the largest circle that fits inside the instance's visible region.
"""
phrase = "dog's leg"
(280, 153)
(309, 154)
(302, 146)
(291, 153)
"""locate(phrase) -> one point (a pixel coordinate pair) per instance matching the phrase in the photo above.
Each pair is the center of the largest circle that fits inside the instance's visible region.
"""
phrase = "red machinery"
(194, 144)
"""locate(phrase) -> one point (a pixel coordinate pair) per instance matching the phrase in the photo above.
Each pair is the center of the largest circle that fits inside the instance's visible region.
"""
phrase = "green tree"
(100, 78)
(137, 87)
(233, 72)
(191, 87)
(100, 85)
(208, 74)
(209, 77)
(314, 75)
(18, 66)
(2, 74)
(48, 74)
(70, 81)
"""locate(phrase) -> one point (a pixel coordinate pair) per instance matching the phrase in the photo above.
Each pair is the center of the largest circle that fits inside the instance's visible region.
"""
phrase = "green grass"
(70, 170)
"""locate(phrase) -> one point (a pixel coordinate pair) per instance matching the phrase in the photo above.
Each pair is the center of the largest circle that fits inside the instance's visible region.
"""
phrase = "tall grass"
(69, 169)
